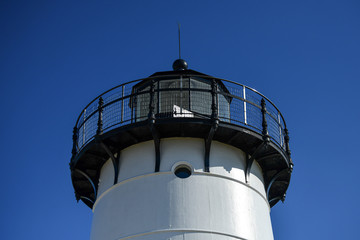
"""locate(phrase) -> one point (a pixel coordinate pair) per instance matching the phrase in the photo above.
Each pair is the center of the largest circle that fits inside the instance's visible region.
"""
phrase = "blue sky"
(56, 56)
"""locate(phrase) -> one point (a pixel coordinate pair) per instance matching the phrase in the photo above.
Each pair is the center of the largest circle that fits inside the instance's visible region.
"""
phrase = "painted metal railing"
(123, 105)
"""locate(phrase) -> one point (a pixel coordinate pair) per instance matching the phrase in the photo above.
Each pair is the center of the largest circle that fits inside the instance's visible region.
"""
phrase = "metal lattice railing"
(180, 96)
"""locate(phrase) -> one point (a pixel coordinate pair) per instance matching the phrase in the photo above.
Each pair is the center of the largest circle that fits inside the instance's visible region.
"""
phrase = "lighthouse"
(181, 155)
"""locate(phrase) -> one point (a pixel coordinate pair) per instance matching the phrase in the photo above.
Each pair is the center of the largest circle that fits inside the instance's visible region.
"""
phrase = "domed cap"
(179, 65)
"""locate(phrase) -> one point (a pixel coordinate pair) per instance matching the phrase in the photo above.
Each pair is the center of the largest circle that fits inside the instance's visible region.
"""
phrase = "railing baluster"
(122, 104)
(100, 119)
(244, 96)
(214, 103)
(132, 99)
(151, 114)
(280, 130)
(158, 97)
(189, 84)
(155, 105)
(181, 96)
(265, 132)
(75, 137)
(287, 138)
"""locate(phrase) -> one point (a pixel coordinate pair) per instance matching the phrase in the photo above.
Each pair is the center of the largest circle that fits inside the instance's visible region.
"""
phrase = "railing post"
(189, 84)
(287, 138)
(122, 104)
(265, 132)
(280, 131)
(158, 96)
(244, 96)
(214, 127)
(151, 114)
(181, 96)
(75, 138)
(100, 119)
(214, 102)
(132, 100)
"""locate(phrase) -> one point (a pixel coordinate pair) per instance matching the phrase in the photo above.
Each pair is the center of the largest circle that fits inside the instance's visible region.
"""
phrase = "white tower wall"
(144, 205)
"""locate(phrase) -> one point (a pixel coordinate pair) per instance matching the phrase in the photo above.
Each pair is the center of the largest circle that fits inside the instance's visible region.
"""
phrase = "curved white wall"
(145, 205)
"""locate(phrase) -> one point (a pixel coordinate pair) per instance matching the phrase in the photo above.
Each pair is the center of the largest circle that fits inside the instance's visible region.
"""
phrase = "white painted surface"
(137, 160)
(106, 179)
(227, 160)
(175, 150)
(148, 205)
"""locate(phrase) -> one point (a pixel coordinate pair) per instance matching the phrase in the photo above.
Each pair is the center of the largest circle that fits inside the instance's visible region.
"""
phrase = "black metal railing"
(231, 102)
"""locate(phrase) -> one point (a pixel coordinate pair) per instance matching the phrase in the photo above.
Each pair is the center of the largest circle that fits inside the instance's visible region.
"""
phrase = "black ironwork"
(275, 199)
(274, 178)
(265, 132)
(180, 65)
(214, 126)
(122, 104)
(287, 138)
(156, 138)
(132, 137)
(267, 156)
(214, 102)
(208, 141)
(249, 161)
(75, 138)
(87, 178)
(210, 108)
(151, 114)
(126, 107)
(87, 199)
(116, 165)
(131, 110)
(115, 160)
(99, 130)
(154, 132)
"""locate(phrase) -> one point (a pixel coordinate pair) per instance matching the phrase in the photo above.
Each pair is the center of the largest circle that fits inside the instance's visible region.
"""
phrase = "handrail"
(251, 118)
(185, 75)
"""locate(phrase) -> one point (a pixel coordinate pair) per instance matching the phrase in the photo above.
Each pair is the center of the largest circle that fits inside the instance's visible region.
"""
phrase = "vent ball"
(180, 64)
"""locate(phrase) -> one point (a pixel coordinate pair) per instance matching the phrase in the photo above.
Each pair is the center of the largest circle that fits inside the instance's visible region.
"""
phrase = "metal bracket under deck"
(114, 160)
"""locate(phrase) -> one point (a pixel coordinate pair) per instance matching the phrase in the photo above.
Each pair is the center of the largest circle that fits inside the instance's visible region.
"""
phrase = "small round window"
(182, 171)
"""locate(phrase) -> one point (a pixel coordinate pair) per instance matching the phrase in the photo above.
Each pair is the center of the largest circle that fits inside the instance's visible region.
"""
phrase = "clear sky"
(56, 56)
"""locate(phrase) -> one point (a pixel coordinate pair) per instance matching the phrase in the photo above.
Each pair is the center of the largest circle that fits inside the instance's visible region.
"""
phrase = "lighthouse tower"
(181, 155)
